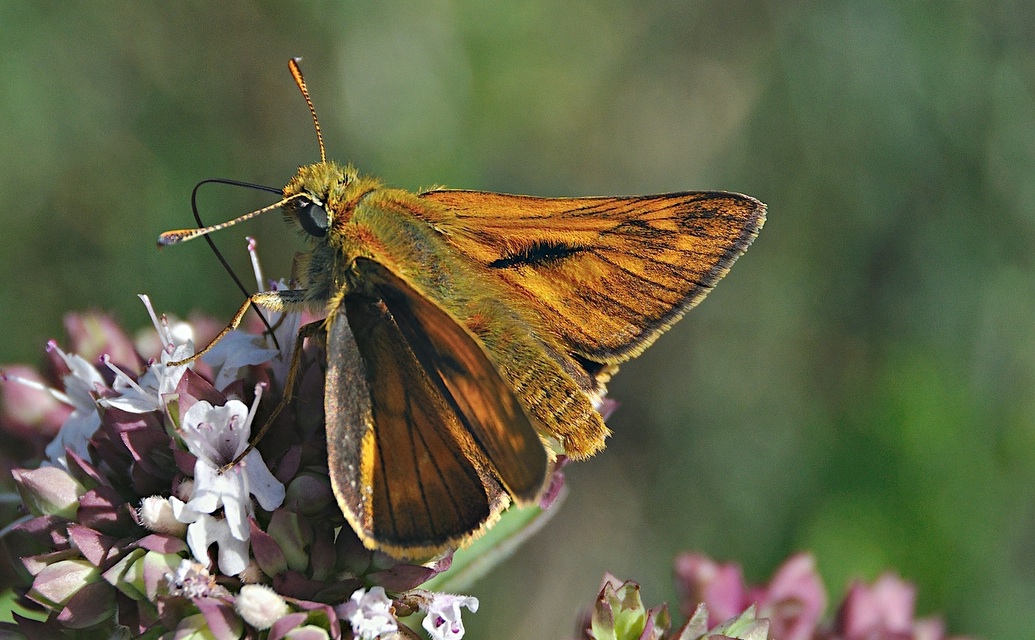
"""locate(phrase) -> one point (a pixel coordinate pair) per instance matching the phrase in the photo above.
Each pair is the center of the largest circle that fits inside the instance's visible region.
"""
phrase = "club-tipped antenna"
(182, 235)
(296, 72)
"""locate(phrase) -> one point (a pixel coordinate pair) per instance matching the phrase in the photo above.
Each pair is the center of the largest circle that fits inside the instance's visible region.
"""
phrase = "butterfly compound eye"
(313, 218)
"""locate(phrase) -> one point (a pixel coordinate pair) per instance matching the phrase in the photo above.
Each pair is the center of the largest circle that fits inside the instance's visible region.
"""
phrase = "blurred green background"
(860, 385)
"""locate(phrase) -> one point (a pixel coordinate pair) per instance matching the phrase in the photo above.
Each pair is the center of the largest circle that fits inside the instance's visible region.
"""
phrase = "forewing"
(468, 381)
(421, 429)
(606, 275)
(400, 465)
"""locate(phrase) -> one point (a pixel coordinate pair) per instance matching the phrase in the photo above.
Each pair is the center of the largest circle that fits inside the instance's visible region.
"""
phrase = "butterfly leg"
(306, 331)
(273, 300)
(288, 300)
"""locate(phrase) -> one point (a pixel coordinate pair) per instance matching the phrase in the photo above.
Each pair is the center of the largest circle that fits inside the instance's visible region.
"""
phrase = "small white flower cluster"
(216, 435)
(143, 395)
(370, 614)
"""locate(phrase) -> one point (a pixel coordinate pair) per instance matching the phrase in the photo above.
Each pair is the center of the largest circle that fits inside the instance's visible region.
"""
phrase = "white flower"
(148, 392)
(216, 436)
(235, 351)
(204, 530)
(369, 613)
(82, 423)
(443, 621)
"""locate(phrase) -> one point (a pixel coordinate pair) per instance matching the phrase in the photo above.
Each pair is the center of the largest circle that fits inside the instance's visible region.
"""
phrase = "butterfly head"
(318, 198)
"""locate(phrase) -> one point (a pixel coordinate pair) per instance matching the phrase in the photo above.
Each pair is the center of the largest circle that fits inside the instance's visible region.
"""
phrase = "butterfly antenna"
(296, 72)
(182, 235)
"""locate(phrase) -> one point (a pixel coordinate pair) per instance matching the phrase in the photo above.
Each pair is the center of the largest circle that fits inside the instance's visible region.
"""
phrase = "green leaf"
(515, 526)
